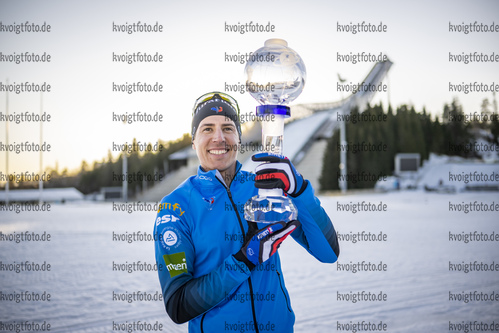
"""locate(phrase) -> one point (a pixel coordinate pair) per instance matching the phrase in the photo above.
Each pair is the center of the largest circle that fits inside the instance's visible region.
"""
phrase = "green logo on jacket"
(175, 263)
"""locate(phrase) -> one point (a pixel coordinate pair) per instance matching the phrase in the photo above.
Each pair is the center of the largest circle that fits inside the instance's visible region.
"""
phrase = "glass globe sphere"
(275, 73)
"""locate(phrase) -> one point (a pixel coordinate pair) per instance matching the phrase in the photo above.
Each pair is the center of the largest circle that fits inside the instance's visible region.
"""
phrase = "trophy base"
(270, 206)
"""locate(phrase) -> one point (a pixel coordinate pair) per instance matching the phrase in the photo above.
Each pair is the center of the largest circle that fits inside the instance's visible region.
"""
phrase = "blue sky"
(193, 44)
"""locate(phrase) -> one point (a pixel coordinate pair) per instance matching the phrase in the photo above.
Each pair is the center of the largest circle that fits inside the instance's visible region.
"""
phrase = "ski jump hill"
(305, 138)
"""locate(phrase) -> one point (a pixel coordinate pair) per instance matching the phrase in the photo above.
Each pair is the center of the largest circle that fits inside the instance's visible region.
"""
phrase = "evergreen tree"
(404, 132)
(456, 130)
(330, 164)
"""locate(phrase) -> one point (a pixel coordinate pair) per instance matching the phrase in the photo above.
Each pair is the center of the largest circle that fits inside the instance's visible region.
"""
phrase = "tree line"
(372, 145)
(109, 171)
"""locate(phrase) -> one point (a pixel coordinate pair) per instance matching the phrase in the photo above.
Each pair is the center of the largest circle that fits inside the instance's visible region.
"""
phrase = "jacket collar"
(213, 177)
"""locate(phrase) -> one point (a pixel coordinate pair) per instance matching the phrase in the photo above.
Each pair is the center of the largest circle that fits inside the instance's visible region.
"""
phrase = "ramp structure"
(305, 138)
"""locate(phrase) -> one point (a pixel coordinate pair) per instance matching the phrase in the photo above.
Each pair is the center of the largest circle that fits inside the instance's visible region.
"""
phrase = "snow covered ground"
(421, 289)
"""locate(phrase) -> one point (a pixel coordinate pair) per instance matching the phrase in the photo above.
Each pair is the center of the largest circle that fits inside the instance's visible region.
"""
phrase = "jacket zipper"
(244, 237)
(202, 320)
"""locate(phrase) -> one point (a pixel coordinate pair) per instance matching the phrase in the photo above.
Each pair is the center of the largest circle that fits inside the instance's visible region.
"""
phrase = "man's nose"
(218, 135)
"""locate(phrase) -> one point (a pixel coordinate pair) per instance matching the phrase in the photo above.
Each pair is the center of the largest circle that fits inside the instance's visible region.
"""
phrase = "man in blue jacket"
(216, 270)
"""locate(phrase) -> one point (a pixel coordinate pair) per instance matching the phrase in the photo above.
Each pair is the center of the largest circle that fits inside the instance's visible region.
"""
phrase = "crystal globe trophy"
(275, 76)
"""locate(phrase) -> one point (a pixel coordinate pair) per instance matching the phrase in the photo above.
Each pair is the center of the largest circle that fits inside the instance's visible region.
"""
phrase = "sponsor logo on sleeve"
(169, 206)
(171, 238)
(175, 263)
(166, 218)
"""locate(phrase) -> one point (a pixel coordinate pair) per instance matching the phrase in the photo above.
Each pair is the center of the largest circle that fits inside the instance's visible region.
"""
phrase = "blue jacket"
(199, 227)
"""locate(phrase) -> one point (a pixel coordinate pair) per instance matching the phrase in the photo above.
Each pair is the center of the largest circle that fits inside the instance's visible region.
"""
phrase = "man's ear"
(193, 146)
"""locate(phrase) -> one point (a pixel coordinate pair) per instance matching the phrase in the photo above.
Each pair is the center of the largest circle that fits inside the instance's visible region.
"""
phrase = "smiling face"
(216, 143)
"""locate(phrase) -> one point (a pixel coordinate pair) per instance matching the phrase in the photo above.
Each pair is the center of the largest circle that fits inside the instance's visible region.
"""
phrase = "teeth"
(218, 152)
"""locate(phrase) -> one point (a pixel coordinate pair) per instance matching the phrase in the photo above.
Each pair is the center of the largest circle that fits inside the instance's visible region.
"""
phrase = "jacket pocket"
(281, 283)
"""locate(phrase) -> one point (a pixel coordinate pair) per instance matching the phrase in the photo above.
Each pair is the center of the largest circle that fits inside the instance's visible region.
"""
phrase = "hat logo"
(217, 109)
